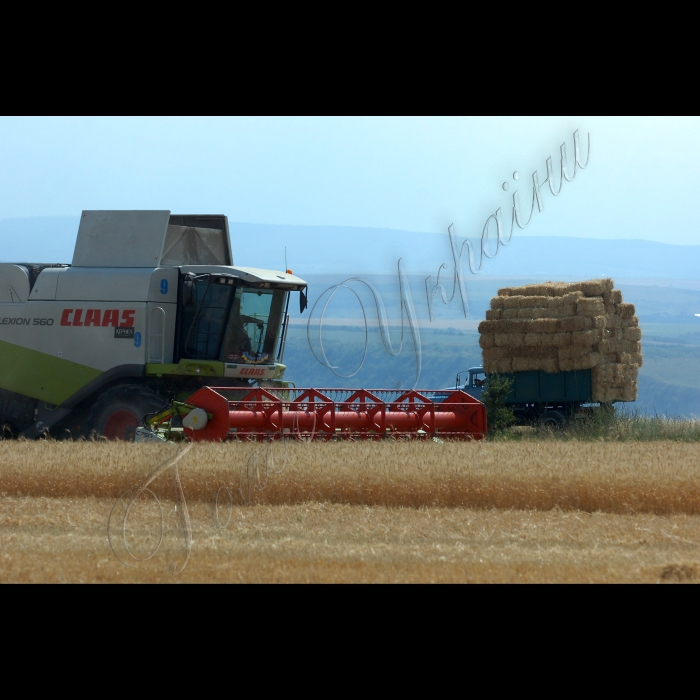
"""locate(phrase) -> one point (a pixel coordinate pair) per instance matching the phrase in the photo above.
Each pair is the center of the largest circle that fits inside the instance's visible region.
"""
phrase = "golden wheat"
(631, 477)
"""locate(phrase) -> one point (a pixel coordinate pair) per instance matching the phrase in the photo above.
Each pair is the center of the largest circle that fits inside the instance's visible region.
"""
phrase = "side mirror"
(303, 303)
(188, 293)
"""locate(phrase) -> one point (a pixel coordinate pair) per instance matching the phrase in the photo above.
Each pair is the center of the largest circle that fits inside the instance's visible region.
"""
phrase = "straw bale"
(494, 314)
(596, 288)
(631, 322)
(550, 365)
(533, 340)
(625, 310)
(580, 363)
(567, 311)
(511, 326)
(487, 340)
(535, 352)
(566, 353)
(490, 354)
(613, 321)
(497, 303)
(511, 313)
(630, 358)
(512, 340)
(543, 325)
(531, 313)
(610, 346)
(566, 365)
(527, 364)
(613, 297)
(590, 307)
(563, 339)
(486, 327)
(534, 302)
(629, 392)
(511, 302)
(499, 366)
(628, 373)
(508, 291)
(599, 322)
(631, 346)
(555, 303)
(586, 337)
(632, 334)
(574, 324)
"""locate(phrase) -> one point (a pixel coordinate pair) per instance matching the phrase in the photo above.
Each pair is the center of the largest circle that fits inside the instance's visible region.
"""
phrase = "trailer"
(536, 396)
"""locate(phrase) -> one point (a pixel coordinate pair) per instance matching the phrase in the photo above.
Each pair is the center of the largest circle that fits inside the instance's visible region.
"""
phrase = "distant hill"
(657, 397)
(355, 250)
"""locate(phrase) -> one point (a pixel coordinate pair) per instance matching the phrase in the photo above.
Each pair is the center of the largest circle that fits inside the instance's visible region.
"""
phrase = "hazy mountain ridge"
(355, 250)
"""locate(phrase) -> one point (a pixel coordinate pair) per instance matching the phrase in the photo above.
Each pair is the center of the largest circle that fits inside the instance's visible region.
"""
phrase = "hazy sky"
(418, 174)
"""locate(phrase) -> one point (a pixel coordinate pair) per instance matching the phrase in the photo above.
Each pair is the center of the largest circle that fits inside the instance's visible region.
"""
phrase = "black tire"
(120, 410)
(552, 419)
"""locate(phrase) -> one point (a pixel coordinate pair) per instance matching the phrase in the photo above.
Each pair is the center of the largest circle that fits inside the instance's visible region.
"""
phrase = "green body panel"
(201, 368)
(545, 387)
(41, 376)
(190, 368)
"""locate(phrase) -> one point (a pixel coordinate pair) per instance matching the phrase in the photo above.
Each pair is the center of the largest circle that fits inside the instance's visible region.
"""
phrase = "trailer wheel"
(552, 419)
(120, 410)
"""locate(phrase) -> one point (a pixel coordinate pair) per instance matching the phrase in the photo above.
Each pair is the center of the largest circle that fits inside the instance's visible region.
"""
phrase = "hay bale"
(509, 340)
(613, 297)
(535, 352)
(586, 338)
(625, 310)
(525, 364)
(550, 365)
(566, 365)
(632, 334)
(543, 325)
(597, 288)
(631, 322)
(630, 346)
(533, 340)
(590, 307)
(504, 366)
(511, 313)
(574, 324)
(531, 314)
(534, 302)
(487, 341)
(497, 303)
(511, 302)
(494, 314)
(565, 353)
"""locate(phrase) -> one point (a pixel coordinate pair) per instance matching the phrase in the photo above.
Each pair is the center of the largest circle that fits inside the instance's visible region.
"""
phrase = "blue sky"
(415, 174)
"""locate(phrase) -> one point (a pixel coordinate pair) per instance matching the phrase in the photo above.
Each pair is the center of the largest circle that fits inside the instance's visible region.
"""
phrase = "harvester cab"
(152, 308)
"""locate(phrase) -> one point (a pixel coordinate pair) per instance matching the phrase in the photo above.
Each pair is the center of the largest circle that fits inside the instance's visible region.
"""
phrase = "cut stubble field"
(550, 511)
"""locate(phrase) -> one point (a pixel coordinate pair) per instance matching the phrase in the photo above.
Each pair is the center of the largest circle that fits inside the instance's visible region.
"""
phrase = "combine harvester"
(153, 329)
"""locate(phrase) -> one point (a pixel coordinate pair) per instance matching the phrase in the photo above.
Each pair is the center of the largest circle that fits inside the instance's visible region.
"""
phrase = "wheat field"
(529, 511)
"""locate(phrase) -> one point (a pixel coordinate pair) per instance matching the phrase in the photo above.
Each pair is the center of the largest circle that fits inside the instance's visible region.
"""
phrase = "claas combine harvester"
(152, 332)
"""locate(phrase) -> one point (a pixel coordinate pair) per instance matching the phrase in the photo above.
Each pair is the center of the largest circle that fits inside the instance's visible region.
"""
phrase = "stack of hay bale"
(559, 327)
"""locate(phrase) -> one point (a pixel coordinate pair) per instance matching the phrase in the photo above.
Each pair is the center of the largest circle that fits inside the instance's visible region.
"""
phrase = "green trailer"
(537, 396)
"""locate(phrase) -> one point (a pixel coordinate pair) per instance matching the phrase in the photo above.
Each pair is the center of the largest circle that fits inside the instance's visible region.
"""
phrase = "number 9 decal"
(137, 339)
(164, 286)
